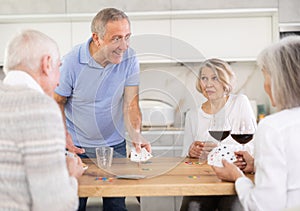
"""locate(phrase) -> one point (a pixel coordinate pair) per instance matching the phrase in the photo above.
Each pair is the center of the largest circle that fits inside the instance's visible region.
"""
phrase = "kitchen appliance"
(157, 113)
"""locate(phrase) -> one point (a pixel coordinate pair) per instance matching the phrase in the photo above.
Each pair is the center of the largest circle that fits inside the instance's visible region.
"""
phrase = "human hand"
(140, 142)
(75, 166)
(71, 147)
(208, 146)
(229, 172)
(139, 146)
(196, 149)
(244, 161)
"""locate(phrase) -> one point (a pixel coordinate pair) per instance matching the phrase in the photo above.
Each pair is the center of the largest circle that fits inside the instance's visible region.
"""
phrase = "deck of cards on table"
(143, 156)
(218, 153)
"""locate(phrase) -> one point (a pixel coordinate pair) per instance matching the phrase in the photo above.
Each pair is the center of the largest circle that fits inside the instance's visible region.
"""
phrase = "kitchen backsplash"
(175, 84)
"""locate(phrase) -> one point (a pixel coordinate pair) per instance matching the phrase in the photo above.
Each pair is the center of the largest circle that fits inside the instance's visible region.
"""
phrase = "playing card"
(134, 156)
(143, 156)
(221, 152)
(211, 156)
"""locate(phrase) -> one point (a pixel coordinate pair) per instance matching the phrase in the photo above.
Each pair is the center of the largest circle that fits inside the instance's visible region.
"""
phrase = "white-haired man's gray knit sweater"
(33, 171)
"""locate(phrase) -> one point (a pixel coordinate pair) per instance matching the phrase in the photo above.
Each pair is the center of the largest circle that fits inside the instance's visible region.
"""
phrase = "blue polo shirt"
(94, 110)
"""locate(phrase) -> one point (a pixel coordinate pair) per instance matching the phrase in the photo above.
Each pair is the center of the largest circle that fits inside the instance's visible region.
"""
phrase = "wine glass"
(208, 145)
(243, 131)
(219, 128)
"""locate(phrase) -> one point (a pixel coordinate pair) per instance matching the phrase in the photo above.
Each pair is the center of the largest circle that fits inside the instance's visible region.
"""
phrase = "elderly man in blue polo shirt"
(98, 93)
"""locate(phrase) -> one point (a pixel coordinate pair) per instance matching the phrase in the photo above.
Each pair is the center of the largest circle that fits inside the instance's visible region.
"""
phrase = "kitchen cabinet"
(59, 31)
(66, 29)
(93, 6)
(232, 35)
(165, 36)
(81, 32)
(165, 142)
(289, 11)
(228, 38)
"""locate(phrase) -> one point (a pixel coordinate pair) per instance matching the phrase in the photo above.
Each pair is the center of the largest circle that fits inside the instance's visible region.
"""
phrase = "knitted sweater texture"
(33, 170)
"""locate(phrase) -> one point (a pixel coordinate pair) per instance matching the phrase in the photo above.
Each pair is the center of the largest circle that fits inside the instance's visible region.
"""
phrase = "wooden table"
(164, 177)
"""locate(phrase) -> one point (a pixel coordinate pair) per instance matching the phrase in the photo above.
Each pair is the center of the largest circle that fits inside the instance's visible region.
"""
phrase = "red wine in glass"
(243, 130)
(242, 138)
(219, 135)
(219, 128)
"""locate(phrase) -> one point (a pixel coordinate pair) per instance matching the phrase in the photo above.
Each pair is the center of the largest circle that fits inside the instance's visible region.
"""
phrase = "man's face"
(115, 41)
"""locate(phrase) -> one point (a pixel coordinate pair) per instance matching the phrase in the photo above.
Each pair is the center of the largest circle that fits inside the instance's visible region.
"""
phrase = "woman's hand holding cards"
(219, 153)
(245, 161)
(229, 171)
(233, 169)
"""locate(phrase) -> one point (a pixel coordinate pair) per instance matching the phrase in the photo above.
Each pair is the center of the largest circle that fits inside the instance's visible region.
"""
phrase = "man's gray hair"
(99, 22)
(26, 50)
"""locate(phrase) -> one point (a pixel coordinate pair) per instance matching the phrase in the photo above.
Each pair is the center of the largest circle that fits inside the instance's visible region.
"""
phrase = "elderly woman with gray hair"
(276, 143)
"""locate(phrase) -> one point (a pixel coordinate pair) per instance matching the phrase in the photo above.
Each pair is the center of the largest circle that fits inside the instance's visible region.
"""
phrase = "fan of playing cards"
(223, 151)
(143, 156)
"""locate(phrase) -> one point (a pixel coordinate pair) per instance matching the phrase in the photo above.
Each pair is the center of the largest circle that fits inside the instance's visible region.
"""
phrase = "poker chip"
(104, 179)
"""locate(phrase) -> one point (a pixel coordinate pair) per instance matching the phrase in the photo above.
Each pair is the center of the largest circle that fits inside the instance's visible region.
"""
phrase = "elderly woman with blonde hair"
(215, 82)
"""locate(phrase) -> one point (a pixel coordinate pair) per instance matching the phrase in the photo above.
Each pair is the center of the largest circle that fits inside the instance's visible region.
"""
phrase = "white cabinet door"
(59, 31)
(81, 32)
(227, 38)
(151, 39)
(166, 36)
(192, 36)
(165, 143)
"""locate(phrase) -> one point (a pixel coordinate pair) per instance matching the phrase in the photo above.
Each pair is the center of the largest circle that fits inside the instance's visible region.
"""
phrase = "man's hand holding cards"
(226, 152)
(143, 156)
